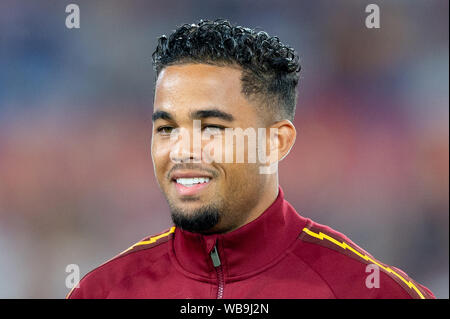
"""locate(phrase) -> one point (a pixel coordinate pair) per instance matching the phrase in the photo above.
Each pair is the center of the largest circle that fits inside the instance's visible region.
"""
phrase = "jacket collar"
(243, 251)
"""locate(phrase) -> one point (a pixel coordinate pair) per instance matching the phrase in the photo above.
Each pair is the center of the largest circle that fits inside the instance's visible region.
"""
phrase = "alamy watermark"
(373, 19)
(73, 17)
(226, 146)
(373, 280)
(73, 278)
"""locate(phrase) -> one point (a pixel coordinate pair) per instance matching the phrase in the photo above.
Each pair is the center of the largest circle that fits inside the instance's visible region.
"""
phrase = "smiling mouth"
(189, 186)
(191, 181)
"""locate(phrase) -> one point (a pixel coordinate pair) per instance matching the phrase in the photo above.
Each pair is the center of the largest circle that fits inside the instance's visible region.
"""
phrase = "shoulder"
(149, 242)
(349, 270)
(96, 283)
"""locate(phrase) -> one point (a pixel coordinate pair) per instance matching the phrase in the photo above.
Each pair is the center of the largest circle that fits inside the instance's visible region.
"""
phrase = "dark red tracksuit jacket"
(278, 255)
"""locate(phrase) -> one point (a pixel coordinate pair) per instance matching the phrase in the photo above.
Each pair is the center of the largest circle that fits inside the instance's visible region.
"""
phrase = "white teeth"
(192, 181)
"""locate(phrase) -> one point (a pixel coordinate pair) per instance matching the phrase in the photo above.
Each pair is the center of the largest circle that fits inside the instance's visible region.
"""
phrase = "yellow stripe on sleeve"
(151, 240)
(344, 245)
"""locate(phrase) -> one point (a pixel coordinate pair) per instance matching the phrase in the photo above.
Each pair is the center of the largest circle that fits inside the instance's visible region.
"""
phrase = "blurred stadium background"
(76, 177)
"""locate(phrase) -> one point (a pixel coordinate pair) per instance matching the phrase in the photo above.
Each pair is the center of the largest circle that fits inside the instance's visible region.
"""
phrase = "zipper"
(219, 271)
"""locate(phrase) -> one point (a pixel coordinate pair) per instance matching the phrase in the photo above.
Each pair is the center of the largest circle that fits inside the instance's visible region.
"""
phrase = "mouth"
(189, 186)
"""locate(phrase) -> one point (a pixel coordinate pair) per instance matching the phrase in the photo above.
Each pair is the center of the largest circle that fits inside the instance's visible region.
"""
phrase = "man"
(234, 234)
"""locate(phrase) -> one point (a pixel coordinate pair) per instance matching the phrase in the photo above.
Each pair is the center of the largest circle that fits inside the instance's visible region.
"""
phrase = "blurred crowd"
(77, 185)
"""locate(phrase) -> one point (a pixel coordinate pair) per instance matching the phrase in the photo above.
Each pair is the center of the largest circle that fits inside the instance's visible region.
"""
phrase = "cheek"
(249, 178)
(160, 155)
(240, 175)
(160, 148)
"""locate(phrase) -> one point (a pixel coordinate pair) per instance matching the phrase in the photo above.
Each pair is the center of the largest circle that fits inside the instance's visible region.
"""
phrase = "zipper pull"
(215, 257)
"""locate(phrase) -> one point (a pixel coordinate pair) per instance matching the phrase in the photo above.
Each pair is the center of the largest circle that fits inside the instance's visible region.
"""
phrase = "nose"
(185, 147)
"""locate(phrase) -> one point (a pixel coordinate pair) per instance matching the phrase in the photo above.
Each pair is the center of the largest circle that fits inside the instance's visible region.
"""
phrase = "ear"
(283, 138)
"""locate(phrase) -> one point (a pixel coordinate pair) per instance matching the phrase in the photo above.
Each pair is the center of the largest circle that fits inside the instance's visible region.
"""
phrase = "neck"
(267, 199)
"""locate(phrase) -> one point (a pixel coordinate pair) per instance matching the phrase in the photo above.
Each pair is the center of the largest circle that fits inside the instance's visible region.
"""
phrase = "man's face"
(228, 191)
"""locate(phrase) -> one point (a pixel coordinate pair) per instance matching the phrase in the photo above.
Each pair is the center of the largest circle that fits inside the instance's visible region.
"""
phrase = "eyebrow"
(201, 114)
(161, 115)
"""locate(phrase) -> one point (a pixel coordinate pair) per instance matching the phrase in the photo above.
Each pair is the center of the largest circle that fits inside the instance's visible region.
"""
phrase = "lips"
(189, 174)
(190, 183)
(190, 190)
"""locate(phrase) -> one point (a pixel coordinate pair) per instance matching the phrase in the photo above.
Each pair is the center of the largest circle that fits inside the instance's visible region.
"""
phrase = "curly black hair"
(270, 69)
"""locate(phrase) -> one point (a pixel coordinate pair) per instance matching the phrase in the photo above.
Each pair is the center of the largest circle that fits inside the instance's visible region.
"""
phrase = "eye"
(164, 129)
(213, 129)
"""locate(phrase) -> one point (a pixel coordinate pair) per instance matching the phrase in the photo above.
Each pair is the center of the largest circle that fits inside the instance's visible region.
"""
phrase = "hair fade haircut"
(270, 69)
